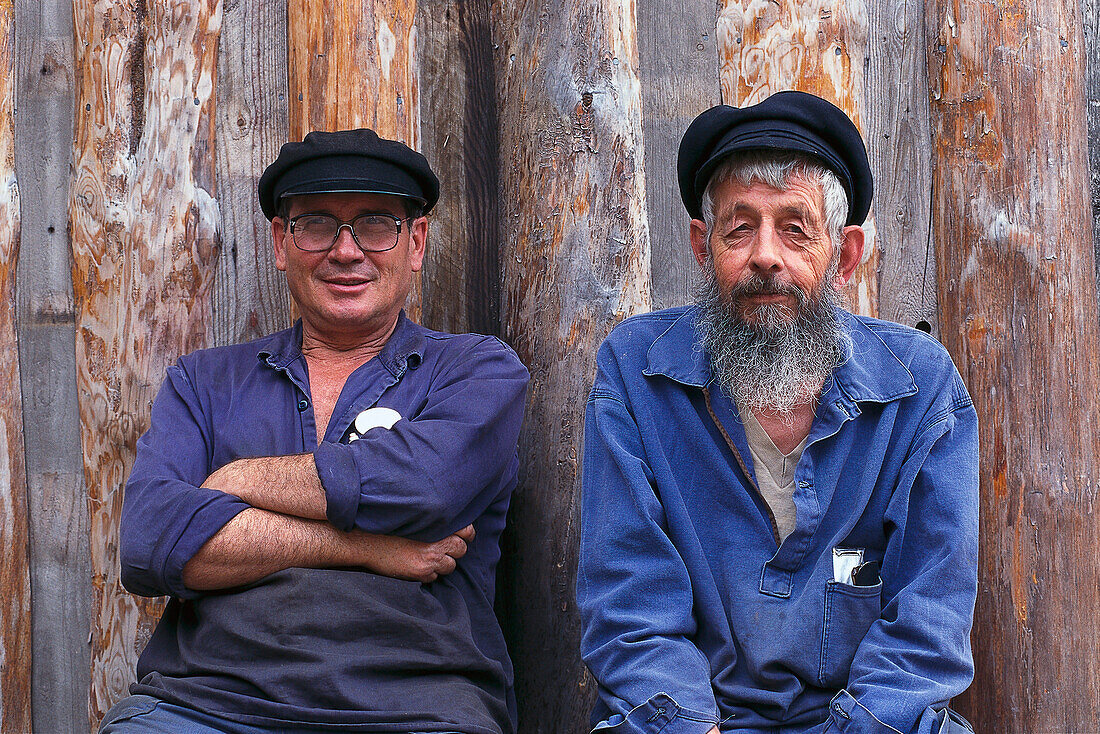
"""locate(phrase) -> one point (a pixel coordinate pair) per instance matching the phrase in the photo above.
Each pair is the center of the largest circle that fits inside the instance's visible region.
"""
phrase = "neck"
(787, 430)
(340, 347)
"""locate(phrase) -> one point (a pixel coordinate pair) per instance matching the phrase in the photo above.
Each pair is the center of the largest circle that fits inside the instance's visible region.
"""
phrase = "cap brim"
(349, 186)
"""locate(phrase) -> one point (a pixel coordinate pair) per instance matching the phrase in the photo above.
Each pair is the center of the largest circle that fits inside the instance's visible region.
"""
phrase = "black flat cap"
(347, 160)
(786, 121)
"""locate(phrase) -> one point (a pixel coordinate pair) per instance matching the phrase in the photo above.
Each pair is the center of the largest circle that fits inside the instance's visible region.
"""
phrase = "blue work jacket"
(693, 614)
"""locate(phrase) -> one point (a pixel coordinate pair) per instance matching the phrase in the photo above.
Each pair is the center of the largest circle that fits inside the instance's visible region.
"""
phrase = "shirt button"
(303, 404)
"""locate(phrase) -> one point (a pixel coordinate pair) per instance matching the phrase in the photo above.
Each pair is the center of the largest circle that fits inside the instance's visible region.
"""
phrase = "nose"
(766, 252)
(345, 249)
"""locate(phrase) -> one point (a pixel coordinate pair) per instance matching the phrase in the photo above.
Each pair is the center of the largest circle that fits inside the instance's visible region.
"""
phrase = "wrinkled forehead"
(799, 194)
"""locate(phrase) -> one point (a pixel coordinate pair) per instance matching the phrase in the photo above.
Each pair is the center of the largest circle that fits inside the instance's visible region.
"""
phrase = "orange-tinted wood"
(1018, 310)
(353, 63)
(144, 242)
(15, 609)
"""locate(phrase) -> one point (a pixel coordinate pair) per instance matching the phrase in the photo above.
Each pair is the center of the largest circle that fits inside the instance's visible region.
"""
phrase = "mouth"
(348, 283)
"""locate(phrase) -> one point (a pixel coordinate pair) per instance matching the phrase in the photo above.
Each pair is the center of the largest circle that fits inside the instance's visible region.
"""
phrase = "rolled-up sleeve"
(166, 515)
(917, 656)
(633, 587)
(436, 471)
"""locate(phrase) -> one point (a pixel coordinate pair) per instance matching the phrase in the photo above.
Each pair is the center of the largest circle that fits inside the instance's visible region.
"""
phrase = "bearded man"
(780, 508)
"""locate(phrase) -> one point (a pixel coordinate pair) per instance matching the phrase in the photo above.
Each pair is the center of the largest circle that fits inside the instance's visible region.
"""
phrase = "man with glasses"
(323, 506)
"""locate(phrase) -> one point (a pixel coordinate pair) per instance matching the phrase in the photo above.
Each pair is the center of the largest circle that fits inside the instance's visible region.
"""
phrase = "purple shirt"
(338, 648)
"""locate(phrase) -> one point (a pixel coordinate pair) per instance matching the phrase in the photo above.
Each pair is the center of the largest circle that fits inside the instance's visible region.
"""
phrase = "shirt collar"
(877, 375)
(404, 348)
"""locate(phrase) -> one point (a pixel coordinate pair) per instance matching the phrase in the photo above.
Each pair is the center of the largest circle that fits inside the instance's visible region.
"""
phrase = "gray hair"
(776, 168)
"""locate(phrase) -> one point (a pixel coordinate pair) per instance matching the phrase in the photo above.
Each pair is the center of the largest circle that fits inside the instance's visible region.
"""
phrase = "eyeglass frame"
(340, 224)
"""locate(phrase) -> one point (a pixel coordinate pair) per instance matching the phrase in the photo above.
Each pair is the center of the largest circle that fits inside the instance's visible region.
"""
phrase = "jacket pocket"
(849, 613)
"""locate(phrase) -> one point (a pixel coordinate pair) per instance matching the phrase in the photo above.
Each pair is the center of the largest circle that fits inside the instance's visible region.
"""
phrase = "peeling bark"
(144, 245)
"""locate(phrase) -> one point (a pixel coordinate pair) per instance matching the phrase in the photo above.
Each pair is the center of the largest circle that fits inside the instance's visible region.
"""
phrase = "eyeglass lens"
(373, 232)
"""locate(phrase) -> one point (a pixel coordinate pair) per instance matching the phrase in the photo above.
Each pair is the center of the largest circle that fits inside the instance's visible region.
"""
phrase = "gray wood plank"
(899, 144)
(60, 566)
(250, 296)
(460, 137)
(678, 70)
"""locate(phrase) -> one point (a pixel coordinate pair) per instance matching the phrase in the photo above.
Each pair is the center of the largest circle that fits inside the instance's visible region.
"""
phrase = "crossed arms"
(398, 502)
(286, 528)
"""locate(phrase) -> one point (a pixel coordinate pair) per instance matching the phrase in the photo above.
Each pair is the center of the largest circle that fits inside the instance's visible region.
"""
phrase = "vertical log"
(816, 46)
(576, 261)
(678, 68)
(250, 295)
(1091, 12)
(61, 584)
(461, 139)
(144, 247)
(15, 611)
(896, 124)
(352, 63)
(1018, 305)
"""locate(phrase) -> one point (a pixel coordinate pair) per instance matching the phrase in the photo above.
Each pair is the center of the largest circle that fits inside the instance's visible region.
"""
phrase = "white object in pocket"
(845, 560)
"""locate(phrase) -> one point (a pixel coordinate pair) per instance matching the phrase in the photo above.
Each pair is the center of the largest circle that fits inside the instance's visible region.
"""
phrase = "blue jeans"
(149, 715)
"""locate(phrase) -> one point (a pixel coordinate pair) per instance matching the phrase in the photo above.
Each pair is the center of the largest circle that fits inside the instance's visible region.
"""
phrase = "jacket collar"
(405, 347)
(870, 373)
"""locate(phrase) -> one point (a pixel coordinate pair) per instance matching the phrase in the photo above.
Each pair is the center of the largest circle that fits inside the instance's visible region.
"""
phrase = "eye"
(372, 225)
(309, 223)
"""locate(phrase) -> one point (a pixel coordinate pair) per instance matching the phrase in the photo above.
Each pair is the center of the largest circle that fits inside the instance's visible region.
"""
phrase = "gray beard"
(764, 358)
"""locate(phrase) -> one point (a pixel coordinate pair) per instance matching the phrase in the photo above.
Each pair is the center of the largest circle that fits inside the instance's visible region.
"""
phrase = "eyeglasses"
(371, 232)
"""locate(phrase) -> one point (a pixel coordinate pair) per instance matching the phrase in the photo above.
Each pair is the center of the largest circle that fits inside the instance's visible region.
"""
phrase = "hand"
(714, 730)
(412, 560)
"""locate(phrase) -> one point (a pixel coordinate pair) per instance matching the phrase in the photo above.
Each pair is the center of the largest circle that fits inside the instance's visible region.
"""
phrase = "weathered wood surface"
(462, 278)
(1018, 307)
(351, 64)
(15, 584)
(816, 46)
(896, 128)
(678, 72)
(576, 261)
(1091, 11)
(144, 245)
(60, 566)
(250, 296)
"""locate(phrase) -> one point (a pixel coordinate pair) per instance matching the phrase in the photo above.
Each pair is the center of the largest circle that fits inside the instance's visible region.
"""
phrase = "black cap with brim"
(785, 122)
(355, 161)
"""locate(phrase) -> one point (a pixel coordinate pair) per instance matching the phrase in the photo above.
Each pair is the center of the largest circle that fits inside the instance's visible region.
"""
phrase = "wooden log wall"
(1019, 315)
(576, 261)
(353, 63)
(15, 582)
(144, 242)
(140, 130)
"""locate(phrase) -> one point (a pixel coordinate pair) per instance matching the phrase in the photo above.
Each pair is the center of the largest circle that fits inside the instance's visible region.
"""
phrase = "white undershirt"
(774, 472)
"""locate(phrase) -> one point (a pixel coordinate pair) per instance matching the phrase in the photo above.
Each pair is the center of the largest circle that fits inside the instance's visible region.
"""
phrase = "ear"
(279, 241)
(851, 254)
(418, 243)
(699, 241)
